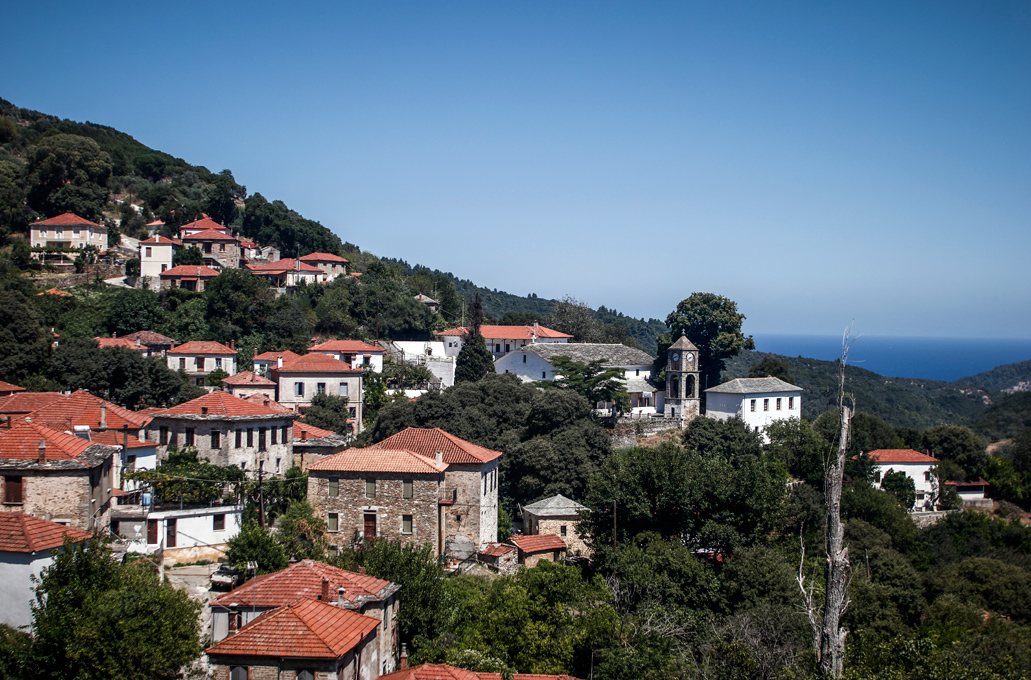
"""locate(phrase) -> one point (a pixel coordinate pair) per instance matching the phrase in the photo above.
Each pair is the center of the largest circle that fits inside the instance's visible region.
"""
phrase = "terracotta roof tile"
(304, 579)
(21, 442)
(206, 235)
(270, 404)
(161, 240)
(201, 347)
(150, 338)
(508, 332)
(247, 379)
(220, 404)
(83, 408)
(196, 270)
(427, 441)
(119, 342)
(538, 543)
(8, 387)
(55, 291)
(287, 355)
(379, 459)
(284, 265)
(901, 456)
(497, 550)
(27, 402)
(64, 220)
(310, 431)
(347, 346)
(204, 223)
(322, 257)
(314, 363)
(27, 534)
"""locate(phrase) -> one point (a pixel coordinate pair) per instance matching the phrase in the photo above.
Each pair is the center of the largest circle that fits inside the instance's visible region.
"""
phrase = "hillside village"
(312, 467)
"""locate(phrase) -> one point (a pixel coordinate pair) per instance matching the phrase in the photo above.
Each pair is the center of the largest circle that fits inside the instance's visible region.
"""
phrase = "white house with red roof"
(68, 231)
(26, 549)
(917, 466)
(285, 274)
(192, 277)
(358, 354)
(332, 265)
(501, 340)
(264, 362)
(198, 358)
(316, 373)
(471, 479)
(156, 255)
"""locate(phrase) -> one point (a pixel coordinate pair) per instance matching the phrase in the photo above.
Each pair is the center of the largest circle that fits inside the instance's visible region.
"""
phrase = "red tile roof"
(378, 459)
(303, 579)
(201, 347)
(306, 629)
(64, 220)
(901, 456)
(206, 235)
(204, 223)
(54, 291)
(195, 270)
(161, 240)
(433, 671)
(508, 332)
(220, 404)
(539, 543)
(286, 264)
(314, 363)
(8, 387)
(287, 355)
(497, 550)
(118, 342)
(270, 404)
(322, 257)
(150, 337)
(21, 442)
(302, 428)
(248, 379)
(83, 408)
(27, 534)
(346, 346)
(27, 402)
(427, 441)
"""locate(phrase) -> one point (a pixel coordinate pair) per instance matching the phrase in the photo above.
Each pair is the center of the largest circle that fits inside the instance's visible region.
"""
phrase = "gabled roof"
(314, 363)
(683, 343)
(270, 404)
(206, 235)
(195, 270)
(304, 579)
(248, 379)
(204, 223)
(508, 332)
(557, 505)
(497, 550)
(379, 459)
(305, 628)
(538, 543)
(21, 443)
(150, 338)
(161, 240)
(27, 534)
(219, 404)
(754, 386)
(118, 342)
(427, 441)
(309, 432)
(585, 352)
(287, 355)
(55, 291)
(346, 346)
(322, 257)
(8, 387)
(83, 408)
(286, 264)
(201, 347)
(884, 456)
(27, 402)
(64, 220)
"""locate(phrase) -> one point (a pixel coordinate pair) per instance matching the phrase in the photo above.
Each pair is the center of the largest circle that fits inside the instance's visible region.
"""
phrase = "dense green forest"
(1001, 378)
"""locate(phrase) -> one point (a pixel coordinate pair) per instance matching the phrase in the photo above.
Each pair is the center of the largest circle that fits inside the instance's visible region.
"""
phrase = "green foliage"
(302, 533)
(961, 535)
(901, 486)
(958, 444)
(222, 195)
(237, 303)
(860, 500)
(474, 360)
(254, 544)
(504, 524)
(132, 267)
(713, 324)
(15, 646)
(190, 255)
(800, 447)
(216, 377)
(329, 413)
(1005, 417)
(591, 380)
(273, 222)
(68, 173)
(24, 341)
(133, 309)
(95, 618)
(1001, 377)
(182, 477)
(771, 367)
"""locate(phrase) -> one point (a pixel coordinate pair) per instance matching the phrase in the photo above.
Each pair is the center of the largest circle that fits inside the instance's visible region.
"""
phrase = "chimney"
(440, 457)
(325, 590)
(279, 361)
(42, 451)
(340, 596)
(304, 435)
(361, 570)
(114, 335)
(103, 416)
(232, 344)
(404, 656)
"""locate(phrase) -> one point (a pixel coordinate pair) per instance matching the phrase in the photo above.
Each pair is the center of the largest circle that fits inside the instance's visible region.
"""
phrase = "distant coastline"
(904, 357)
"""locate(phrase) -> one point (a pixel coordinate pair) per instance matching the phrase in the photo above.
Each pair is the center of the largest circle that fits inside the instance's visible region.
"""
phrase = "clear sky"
(816, 162)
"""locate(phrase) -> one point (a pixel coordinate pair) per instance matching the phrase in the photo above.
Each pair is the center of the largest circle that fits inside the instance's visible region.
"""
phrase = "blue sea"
(931, 358)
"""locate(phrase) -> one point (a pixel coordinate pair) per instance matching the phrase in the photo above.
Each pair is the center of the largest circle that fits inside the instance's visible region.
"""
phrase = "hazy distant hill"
(1008, 378)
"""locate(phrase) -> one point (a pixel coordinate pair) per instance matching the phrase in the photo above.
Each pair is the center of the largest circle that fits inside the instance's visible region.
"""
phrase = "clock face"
(689, 356)
(676, 356)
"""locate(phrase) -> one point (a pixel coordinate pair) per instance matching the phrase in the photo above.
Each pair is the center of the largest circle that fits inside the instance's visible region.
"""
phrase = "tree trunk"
(832, 637)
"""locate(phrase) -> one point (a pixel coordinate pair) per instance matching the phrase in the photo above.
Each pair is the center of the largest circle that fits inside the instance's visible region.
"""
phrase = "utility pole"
(261, 494)
(613, 525)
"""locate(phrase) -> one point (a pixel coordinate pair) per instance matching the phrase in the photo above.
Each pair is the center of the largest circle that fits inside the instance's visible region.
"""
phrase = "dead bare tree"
(828, 635)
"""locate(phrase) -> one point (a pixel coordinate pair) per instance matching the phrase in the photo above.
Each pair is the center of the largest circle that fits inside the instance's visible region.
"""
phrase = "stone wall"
(553, 525)
(61, 496)
(277, 457)
(628, 430)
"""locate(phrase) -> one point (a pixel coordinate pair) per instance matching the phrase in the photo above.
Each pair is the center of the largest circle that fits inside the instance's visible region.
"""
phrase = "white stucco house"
(430, 354)
(155, 259)
(756, 401)
(26, 549)
(354, 352)
(198, 358)
(917, 466)
(187, 534)
(501, 340)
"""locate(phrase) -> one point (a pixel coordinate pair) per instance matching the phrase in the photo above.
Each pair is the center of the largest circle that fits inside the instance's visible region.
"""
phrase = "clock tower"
(683, 396)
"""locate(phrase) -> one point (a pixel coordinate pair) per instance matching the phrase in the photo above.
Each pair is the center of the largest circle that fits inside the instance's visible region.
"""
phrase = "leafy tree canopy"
(771, 367)
(713, 324)
(591, 380)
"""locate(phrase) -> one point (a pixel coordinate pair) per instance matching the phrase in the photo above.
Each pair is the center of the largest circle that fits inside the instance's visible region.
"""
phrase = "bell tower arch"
(683, 400)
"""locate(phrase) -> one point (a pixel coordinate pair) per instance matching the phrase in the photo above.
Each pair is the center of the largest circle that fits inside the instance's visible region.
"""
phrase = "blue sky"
(815, 162)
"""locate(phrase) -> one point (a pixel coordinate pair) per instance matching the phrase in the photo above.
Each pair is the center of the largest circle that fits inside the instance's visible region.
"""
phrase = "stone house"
(472, 485)
(534, 549)
(358, 354)
(56, 475)
(558, 516)
(220, 250)
(380, 492)
(198, 358)
(26, 545)
(68, 231)
(332, 265)
(917, 466)
(757, 401)
(285, 274)
(193, 277)
(356, 592)
(226, 430)
(301, 379)
(246, 383)
(500, 557)
(152, 344)
(312, 444)
(303, 640)
(156, 255)
(501, 340)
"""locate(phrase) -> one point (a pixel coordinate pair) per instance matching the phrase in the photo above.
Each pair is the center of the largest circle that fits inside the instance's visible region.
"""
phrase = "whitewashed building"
(917, 466)
(68, 231)
(756, 401)
(198, 358)
(501, 340)
(187, 534)
(155, 259)
(424, 353)
(354, 352)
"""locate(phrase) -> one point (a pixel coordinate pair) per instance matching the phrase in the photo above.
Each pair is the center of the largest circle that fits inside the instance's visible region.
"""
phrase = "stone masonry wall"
(473, 518)
(552, 525)
(59, 496)
(227, 452)
(351, 505)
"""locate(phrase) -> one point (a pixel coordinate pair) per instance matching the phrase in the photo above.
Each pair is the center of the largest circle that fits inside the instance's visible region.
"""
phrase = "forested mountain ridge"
(1007, 378)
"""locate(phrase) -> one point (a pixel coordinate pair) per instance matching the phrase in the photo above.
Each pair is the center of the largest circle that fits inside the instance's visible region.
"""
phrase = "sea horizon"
(930, 358)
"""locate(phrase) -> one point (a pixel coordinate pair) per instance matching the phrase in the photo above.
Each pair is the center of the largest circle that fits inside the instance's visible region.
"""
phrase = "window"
(149, 253)
(189, 436)
(170, 533)
(250, 437)
(182, 363)
(370, 525)
(343, 389)
(216, 439)
(218, 362)
(238, 673)
(286, 433)
(239, 436)
(298, 389)
(320, 388)
(927, 476)
(778, 403)
(544, 374)
(164, 267)
(261, 439)
(370, 488)
(351, 411)
(221, 247)
(524, 358)
(333, 522)
(406, 524)
(406, 488)
(334, 486)
(753, 405)
(218, 522)
(130, 463)
(274, 432)
(163, 435)
(198, 363)
(562, 530)
(791, 403)
(766, 404)
(78, 232)
(508, 348)
(207, 248)
(12, 489)
(877, 476)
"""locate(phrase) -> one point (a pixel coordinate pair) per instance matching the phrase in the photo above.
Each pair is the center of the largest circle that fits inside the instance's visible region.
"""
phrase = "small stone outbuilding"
(558, 516)
(533, 549)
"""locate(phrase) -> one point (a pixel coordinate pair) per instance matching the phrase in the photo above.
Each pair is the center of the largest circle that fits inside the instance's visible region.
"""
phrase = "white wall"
(527, 365)
(194, 527)
(922, 475)
(202, 363)
(723, 406)
(357, 362)
(160, 259)
(17, 591)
